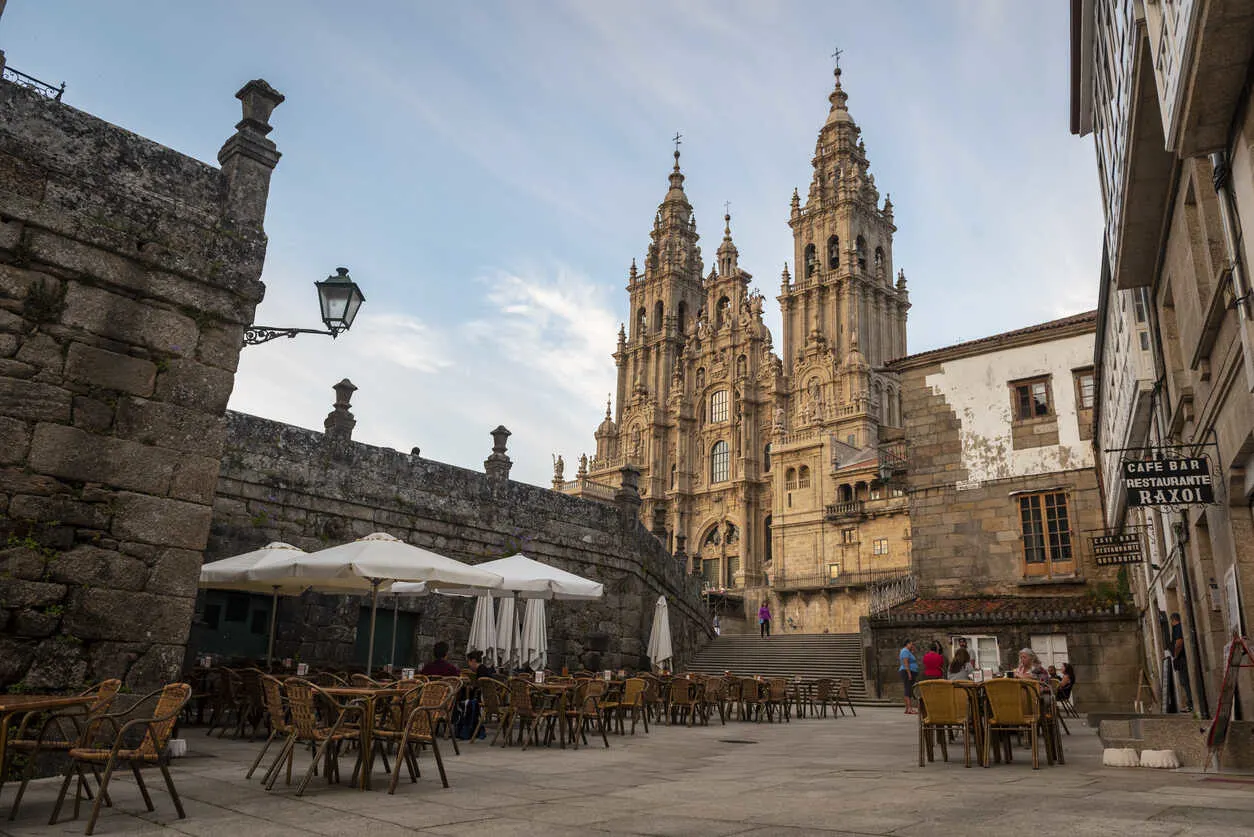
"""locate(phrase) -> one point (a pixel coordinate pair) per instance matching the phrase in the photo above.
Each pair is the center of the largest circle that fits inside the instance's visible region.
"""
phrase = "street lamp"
(338, 298)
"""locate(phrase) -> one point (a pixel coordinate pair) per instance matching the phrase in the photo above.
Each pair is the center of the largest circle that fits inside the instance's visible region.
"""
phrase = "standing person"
(764, 620)
(934, 663)
(909, 670)
(1178, 661)
(718, 626)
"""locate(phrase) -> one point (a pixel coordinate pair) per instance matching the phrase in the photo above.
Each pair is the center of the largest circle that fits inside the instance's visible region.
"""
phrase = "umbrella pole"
(374, 602)
(396, 606)
(274, 615)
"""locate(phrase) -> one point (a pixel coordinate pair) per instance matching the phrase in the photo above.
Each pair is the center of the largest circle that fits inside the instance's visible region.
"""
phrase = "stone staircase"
(788, 655)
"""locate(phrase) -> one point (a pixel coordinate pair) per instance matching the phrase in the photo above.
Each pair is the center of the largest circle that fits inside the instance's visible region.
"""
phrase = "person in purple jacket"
(764, 619)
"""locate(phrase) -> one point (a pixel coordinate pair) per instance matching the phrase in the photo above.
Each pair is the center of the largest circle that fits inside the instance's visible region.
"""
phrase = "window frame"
(1080, 375)
(720, 462)
(879, 546)
(803, 477)
(1027, 384)
(720, 406)
(1046, 552)
(1046, 647)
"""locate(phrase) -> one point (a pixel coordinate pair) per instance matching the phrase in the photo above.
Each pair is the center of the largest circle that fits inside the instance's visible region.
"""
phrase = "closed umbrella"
(369, 562)
(660, 635)
(508, 640)
(232, 574)
(535, 638)
(483, 629)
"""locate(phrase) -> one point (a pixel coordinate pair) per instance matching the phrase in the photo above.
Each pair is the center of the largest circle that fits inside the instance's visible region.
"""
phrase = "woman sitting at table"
(960, 668)
(1068, 680)
(1030, 667)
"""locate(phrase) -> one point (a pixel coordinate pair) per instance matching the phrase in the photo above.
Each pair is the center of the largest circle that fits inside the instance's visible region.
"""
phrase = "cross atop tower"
(836, 55)
(678, 138)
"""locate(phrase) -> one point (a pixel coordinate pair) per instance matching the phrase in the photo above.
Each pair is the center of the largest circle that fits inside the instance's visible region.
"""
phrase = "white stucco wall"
(977, 389)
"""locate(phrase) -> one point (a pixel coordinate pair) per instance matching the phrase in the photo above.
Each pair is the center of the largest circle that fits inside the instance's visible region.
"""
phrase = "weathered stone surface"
(169, 426)
(15, 657)
(126, 616)
(220, 346)
(17, 593)
(196, 385)
(73, 454)
(8, 345)
(110, 370)
(91, 415)
(160, 520)
(34, 623)
(34, 401)
(96, 567)
(57, 662)
(195, 478)
(175, 573)
(119, 318)
(42, 352)
(14, 441)
(59, 507)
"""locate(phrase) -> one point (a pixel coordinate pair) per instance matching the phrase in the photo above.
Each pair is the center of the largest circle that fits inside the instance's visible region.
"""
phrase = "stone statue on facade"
(583, 465)
(559, 468)
(781, 420)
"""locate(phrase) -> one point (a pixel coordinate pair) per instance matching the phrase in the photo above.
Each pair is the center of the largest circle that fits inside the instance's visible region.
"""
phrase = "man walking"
(1178, 661)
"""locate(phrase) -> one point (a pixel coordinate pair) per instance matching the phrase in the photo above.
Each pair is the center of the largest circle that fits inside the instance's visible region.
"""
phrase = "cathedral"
(773, 471)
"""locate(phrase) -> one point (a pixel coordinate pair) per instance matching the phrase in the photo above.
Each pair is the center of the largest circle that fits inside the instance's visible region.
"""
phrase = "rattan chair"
(844, 696)
(1013, 706)
(272, 692)
(776, 699)
(493, 699)
(225, 687)
(683, 705)
(944, 708)
(752, 701)
(58, 731)
(824, 695)
(315, 728)
(423, 709)
(585, 708)
(136, 740)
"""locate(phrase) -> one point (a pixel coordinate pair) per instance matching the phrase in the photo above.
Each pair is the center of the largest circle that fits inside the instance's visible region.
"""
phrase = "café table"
(556, 696)
(12, 706)
(368, 698)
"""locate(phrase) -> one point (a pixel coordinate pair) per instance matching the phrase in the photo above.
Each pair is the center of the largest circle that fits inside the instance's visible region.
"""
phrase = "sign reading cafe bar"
(1168, 482)
(1117, 549)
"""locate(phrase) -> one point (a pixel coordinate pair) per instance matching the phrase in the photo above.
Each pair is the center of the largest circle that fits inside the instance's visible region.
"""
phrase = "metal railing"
(893, 591)
(854, 508)
(826, 581)
(21, 78)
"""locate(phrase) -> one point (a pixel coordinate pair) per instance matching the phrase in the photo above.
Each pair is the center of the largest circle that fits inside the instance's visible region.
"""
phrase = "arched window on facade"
(722, 313)
(861, 247)
(718, 406)
(766, 457)
(720, 462)
(810, 260)
(683, 318)
(846, 493)
(790, 479)
(879, 260)
(833, 252)
(640, 324)
(803, 476)
(659, 315)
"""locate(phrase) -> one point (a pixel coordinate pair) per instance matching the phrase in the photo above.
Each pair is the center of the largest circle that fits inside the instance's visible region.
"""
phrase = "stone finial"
(680, 540)
(627, 497)
(340, 422)
(249, 157)
(497, 464)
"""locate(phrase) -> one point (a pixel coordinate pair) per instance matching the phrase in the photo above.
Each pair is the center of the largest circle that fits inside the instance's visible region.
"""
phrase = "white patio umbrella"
(483, 629)
(232, 574)
(508, 639)
(535, 637)
(372, 561)
(660, 636)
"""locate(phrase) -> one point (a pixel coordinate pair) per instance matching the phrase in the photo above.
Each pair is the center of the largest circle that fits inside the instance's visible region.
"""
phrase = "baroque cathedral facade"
(771, 469)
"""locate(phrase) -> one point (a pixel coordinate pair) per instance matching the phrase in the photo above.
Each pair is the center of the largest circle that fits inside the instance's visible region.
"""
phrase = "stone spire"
(340, 422)
(838, 97)
(727, 253)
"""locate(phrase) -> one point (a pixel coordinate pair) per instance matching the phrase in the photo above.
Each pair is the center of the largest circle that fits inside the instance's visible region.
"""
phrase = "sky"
(488, 169)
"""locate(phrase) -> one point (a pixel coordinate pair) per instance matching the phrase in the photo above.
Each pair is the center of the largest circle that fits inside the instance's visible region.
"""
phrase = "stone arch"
(641, 321)
(811, 263)
(803, 476)
(722, 313)
(790, 479)
(833, 252)
(879, 260)
(659, 315)
(683, 317)
(860, 246)
(846, 493)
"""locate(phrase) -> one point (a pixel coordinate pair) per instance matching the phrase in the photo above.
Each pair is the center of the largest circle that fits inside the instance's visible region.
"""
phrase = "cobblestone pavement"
(846, 776)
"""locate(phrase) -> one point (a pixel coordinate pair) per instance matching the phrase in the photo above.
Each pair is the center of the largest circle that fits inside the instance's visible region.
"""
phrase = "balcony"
(826, 581)
(846, 511)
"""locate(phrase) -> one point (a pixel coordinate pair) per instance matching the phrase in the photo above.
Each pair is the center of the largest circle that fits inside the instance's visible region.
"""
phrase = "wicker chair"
(776, 699)
(127, 746)
(424, 708)
(363, 681)
(732, 696)
(1013, 706)
(584, 708)
(272, 692)
(493, 699)
(224, 699)
(824, 695)
(714, 699)
(309, 726)
(683, 705)
(844, 696)
(630, 700)
(752, 702)
(59, 731)
(251, 702)
(944, 708)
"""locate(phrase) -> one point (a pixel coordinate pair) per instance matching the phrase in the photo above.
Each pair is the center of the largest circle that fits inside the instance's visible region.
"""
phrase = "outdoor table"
(555, 694)
(368, 698)
(14, 705)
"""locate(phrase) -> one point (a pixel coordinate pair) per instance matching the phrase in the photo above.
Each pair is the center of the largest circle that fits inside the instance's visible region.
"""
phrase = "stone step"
(806, 655)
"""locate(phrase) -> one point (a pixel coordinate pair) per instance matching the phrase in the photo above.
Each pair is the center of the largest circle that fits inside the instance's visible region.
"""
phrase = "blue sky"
(488, 170)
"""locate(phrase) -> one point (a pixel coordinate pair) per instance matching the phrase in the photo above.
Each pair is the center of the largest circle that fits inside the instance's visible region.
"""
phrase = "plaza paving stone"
(814, 776)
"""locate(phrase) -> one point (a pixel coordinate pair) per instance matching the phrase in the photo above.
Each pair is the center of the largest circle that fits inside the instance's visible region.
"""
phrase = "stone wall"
(314, 490)
(127, 275)
(1103, 646)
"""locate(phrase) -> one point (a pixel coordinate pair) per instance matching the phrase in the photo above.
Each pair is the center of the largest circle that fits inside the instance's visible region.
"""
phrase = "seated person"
(960, 668)
(1068, 680)
(1030, 668)
(476, 666)
(439, 666)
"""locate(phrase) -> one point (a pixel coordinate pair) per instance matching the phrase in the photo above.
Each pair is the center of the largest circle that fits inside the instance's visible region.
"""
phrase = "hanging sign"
(1109, 550)
(1168, 482)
